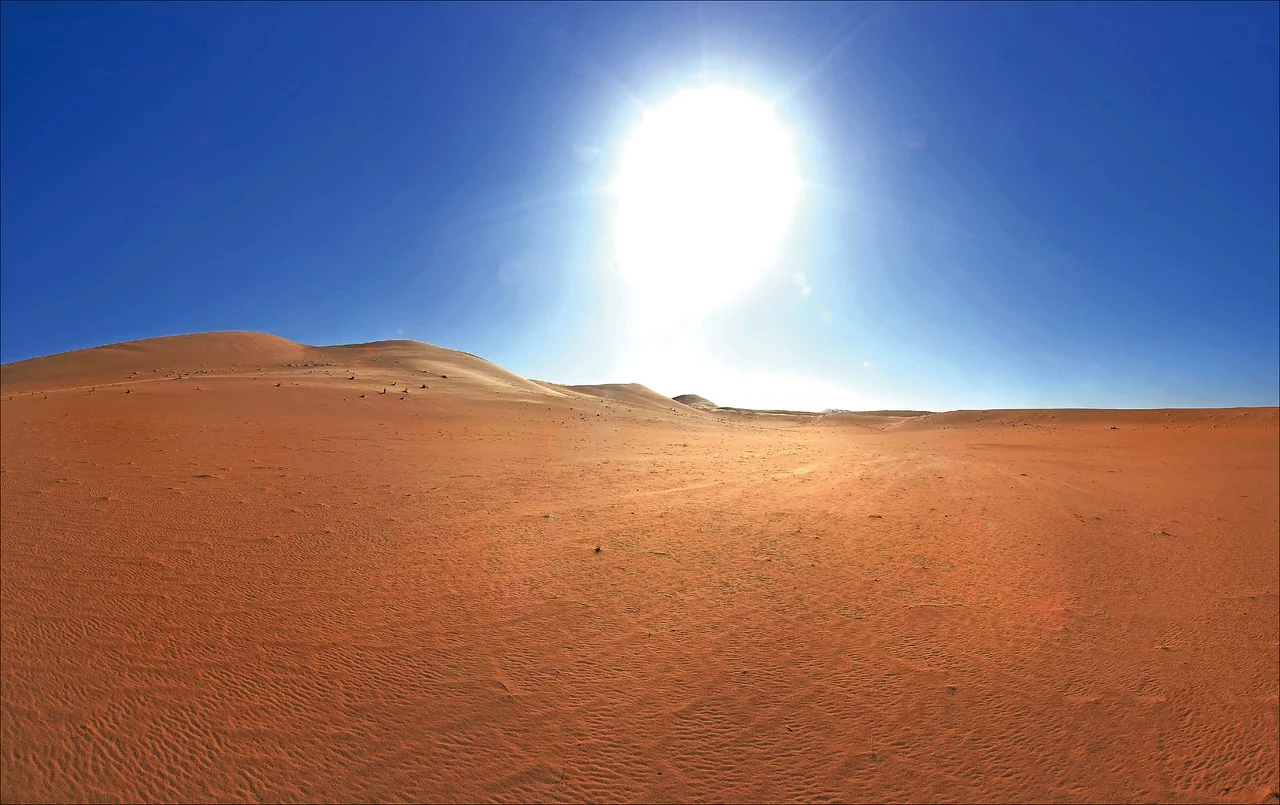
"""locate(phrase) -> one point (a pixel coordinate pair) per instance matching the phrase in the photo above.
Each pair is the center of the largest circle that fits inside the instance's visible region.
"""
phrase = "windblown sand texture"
(230, 572)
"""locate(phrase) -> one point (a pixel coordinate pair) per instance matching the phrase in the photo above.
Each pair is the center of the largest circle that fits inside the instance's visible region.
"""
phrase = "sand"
(254, 584)
(695, 401)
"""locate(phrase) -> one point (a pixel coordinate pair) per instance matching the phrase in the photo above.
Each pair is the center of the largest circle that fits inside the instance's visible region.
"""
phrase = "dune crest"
(225, 353)
(695, 401)
(119, 362)
(626, 393)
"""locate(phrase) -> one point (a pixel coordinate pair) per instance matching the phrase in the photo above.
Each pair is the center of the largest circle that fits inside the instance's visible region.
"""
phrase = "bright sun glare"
(705, 196)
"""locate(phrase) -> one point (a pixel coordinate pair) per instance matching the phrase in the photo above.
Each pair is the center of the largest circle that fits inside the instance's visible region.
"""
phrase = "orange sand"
(215, 588)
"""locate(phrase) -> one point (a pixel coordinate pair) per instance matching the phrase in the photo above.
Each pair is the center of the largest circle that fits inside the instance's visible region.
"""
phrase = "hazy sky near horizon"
(999, 205)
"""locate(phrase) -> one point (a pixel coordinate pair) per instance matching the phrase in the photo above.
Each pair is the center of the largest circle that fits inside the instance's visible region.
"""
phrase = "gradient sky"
(1035, 205)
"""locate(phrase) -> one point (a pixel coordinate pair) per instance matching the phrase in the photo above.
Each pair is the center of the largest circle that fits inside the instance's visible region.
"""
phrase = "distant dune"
(694, 401)
(629, 393)
(1096, 417)
(240, 353)
(120, 362)
(236, 568)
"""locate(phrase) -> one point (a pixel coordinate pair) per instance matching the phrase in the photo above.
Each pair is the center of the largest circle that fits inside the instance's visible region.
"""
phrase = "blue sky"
(1002, 205)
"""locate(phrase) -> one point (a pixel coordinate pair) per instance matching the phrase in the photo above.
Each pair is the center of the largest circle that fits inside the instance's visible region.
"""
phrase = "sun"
(705, 194)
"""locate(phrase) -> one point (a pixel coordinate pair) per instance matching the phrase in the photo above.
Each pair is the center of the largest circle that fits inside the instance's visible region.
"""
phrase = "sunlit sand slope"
(270, 581)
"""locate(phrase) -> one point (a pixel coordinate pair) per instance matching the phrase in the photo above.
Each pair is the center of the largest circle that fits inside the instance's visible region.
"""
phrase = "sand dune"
(630, 393)
(394, 357)
(1216, 417)
(694, 401)
(244, 354)
(268, 581)
(152, 356)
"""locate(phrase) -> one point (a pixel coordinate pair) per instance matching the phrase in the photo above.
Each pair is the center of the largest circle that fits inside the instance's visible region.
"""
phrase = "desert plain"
(234, 569)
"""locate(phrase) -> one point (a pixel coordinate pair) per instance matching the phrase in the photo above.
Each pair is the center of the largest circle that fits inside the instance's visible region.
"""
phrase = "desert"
(237, 568)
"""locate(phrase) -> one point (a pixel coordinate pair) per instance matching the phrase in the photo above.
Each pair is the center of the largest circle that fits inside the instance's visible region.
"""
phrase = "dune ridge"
(695, 401)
